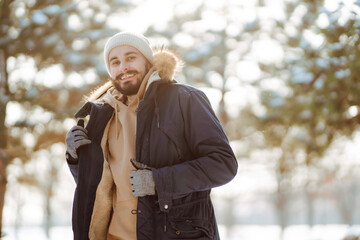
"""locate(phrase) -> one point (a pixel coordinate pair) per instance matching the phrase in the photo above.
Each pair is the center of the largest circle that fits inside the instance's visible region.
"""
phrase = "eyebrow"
(126, 54)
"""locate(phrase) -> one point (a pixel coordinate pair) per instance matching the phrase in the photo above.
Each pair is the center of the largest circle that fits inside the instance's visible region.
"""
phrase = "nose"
(123, 67)
(120, 69)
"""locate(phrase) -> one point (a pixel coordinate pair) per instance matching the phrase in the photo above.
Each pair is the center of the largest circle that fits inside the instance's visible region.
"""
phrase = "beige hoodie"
(121, 148)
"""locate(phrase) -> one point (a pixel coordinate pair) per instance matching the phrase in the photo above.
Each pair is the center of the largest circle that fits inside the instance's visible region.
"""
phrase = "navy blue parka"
(181, 139)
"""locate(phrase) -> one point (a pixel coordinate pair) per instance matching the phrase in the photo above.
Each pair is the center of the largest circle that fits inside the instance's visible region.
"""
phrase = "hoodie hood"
(166, 65)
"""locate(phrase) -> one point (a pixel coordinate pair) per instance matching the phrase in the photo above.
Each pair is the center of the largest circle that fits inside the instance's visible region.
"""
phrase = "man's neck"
(130, 99)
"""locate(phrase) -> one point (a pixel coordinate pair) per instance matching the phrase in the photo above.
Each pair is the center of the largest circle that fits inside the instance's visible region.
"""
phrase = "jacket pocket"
(191, 220)
(189, 229)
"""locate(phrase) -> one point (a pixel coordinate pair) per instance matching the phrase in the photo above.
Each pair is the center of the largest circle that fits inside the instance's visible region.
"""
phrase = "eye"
(131, 58)
(114, 63)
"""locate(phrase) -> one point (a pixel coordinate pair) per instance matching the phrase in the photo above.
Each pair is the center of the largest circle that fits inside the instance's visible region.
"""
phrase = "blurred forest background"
(282, 75)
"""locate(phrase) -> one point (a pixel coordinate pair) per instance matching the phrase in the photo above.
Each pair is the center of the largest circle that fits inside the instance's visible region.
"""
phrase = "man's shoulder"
(183, 89)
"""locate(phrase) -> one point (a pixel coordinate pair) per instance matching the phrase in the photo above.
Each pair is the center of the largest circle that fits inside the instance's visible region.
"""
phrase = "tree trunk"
(281, 203)
(48, 195)
(281, 199)
(4, 158)
(3, 181)
(48, 210)
(309, 206)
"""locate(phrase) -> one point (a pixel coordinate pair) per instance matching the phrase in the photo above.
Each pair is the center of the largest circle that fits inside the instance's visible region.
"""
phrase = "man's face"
(128, 68)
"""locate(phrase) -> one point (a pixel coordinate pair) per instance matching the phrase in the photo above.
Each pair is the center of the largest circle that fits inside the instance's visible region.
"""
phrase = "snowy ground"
(253, 232)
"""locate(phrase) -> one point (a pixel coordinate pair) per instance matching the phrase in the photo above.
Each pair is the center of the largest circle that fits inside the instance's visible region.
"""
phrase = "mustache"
(118, 77)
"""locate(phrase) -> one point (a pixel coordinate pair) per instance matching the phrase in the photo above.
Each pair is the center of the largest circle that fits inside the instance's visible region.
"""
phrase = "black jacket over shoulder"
(179, 136)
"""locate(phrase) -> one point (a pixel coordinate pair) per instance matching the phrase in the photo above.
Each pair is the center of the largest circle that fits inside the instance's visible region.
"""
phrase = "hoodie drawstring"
(116, 121)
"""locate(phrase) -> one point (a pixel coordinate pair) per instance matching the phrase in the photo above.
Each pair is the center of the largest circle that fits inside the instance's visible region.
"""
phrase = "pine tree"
(320, 72)
(67, 35)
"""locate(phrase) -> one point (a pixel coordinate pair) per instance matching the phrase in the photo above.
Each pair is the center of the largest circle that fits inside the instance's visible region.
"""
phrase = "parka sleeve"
(214, 163)
(74, 169)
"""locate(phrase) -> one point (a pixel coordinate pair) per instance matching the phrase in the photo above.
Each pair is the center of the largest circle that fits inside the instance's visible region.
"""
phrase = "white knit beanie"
(137, 41)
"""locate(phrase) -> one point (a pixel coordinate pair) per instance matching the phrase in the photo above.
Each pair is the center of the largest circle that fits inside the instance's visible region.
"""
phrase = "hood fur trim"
(98, 92)
(166, 63)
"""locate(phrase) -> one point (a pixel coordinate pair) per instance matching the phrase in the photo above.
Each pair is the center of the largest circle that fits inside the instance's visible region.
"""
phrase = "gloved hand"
(142, 181)
(75, 138)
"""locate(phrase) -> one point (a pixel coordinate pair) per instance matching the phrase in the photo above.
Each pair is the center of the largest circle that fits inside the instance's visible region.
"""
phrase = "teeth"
(126, 76)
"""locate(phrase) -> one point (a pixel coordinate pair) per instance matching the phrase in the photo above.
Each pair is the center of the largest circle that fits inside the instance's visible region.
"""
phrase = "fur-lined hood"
(166, 63)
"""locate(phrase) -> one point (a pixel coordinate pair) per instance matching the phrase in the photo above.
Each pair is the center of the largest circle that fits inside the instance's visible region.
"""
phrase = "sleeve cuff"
(163, 187)
(70, 159)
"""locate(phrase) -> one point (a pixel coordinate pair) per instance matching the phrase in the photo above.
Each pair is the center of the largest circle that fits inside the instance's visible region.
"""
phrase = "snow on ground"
(240, 232)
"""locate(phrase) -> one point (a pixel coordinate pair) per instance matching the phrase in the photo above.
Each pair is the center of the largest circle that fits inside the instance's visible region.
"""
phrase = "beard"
(130, 89)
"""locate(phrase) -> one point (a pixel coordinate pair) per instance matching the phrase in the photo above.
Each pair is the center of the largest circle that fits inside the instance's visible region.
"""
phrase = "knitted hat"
(137, 41)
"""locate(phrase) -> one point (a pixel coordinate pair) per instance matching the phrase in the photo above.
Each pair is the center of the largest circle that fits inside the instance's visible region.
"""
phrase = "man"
(150, 153)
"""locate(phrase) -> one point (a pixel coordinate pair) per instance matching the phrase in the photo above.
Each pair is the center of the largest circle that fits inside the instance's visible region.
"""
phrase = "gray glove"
(142, 181)
(75, 138)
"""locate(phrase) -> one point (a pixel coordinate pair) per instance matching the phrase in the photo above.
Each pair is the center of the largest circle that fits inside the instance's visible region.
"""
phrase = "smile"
(126, 76)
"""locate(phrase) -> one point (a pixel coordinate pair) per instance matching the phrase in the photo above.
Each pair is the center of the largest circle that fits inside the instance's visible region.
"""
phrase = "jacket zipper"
(157, 113)
(158, 117)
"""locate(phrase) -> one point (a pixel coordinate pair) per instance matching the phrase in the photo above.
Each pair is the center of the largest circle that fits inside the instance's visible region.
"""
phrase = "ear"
(148, 65)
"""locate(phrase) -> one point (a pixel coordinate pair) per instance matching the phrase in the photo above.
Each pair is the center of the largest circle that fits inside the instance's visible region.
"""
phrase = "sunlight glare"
(215, 79)
(275, 84)
(353, 111)
(267, 51)
(51, 76)
(146, 14)
(69, 123)
(214, 96)
(39, 115)
(323, 20)
(74, 23)
(248, 71)
(74, 79)
(316, 40)
(239, 97)
(80, 44)
(183, 40)
(28, 140)
(21, 69)
(214, 21)
(14, 112)
(232, 82)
